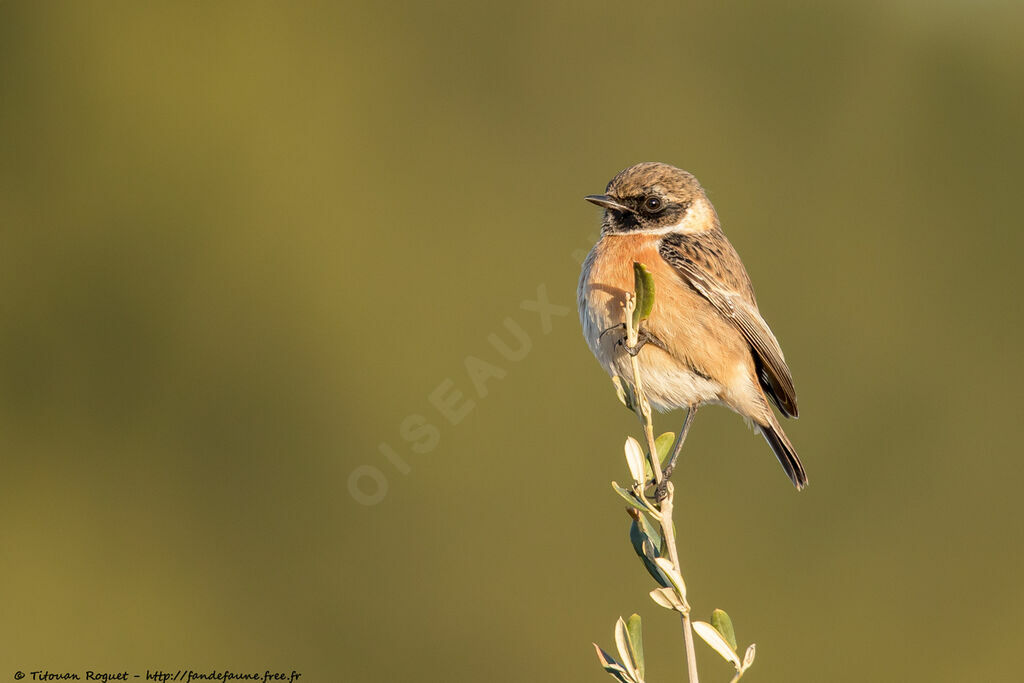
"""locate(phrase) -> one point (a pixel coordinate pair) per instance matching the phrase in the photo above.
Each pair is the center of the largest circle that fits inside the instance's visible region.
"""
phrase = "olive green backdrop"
(244, 245)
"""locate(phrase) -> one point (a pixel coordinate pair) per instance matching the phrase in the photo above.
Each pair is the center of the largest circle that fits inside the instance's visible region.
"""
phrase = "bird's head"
(654, 198)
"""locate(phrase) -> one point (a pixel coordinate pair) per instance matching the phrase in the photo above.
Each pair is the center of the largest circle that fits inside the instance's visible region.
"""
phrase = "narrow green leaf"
(643, 285)
(646, 550)
(636, 641)
(625, 393)
(614, 669)
(674, 576)
(636, 533)
(723, 624)
(663, 444)
(654, 566)
(713, 638)
(667, 598)
(629, 497)
(635, 460)
(625, 650)
(652, 531)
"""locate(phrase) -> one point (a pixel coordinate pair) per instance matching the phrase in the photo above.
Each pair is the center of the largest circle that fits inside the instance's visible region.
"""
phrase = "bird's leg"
(661, 491)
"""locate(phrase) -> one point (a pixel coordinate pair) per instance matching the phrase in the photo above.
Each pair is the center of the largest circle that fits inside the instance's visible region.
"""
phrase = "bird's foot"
(661, 490)
(643, 337)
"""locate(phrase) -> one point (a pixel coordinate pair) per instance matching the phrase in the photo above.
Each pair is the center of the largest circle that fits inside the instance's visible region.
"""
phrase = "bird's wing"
(709, 263)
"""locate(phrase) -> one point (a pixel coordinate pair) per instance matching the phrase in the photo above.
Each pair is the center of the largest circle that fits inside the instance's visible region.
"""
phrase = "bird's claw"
(661, 490)
(642, 338)
(620, 326)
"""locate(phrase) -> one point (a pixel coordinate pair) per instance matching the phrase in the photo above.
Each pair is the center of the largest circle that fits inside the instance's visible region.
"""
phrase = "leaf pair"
(640, 465)
(640, 472)
(630, 646)
(721, 636)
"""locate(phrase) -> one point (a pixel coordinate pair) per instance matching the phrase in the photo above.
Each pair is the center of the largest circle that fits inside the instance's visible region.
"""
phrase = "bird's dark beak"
(607, 202)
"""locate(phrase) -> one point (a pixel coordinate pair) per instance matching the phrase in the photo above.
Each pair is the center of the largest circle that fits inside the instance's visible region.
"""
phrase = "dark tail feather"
(786, 454)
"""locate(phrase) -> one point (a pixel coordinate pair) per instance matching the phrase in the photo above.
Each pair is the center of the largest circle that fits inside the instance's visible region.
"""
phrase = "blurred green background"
(243, 244)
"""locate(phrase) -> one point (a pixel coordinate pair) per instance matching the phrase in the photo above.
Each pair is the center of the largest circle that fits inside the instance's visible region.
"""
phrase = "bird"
(705, 341)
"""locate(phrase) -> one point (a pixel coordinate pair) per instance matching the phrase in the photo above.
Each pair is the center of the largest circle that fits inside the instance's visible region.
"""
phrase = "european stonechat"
(706, 341)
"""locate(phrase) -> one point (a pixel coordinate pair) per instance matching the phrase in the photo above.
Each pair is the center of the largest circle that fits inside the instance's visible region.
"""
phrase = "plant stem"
(644, 407)
(669, 534)
(665, 517)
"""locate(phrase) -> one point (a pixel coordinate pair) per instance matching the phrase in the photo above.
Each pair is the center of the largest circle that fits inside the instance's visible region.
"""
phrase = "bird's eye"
(653, 204)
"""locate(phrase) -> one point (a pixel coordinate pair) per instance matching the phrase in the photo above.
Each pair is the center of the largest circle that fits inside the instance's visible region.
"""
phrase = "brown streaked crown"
(648, 196)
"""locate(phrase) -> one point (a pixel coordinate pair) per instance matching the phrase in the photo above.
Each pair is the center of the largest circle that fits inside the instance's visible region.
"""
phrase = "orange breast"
(698, 342)
(611, 271)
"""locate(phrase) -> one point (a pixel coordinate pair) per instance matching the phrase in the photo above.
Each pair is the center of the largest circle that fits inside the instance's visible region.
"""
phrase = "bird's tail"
(785, 452)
